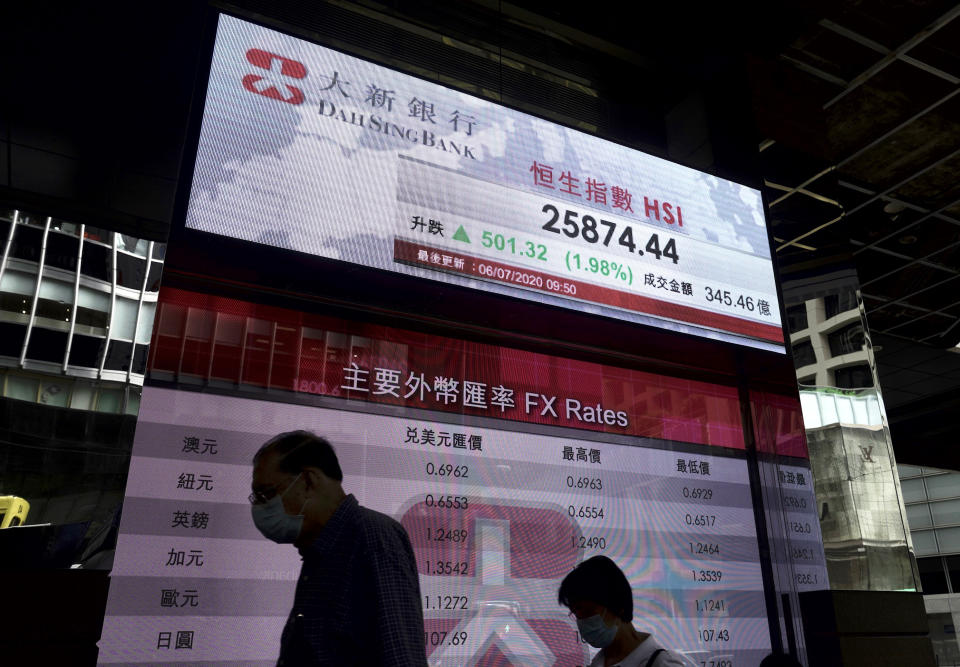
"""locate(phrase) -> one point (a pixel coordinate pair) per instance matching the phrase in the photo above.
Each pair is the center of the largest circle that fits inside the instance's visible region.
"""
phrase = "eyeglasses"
(260, 496)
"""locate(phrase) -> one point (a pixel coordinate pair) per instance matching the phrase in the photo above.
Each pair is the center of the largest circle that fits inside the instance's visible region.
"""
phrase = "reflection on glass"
(862, 516)
(109, 400)
(65, 227)
(946, 512)
(943, 486)
(132, 244)
(55, 392)
(67, 435)
(918, 516)
(32, 219)
(97, 234)
(21, 388)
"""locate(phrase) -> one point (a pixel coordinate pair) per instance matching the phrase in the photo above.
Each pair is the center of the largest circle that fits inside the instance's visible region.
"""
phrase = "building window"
(32, 219)
(846, 340)
(932, 577)
(62, 251)
(948, 540)
(124, 321)
(853, 377)
(946, 512)
(98, 234)
(797, 318)
(918, 516)
(21, 388)
(133, 401)
(11, 338)
(140, 359)
(53, 310)
(47, 345)
(839, 303)
(953, 569)
(145, 322)
(55, 392)
(943, 486)
(109, 400)
(85, 351)
(153, 279)
(64, 227)
(133, 245)
(118, 356)
(15, 303)
(96, 261)
(130, 271)
(92, 318)
(803, 354)
(26, 243)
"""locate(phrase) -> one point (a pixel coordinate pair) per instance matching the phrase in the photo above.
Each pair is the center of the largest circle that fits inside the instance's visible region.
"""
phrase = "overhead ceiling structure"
(890, 113)
(862, 117)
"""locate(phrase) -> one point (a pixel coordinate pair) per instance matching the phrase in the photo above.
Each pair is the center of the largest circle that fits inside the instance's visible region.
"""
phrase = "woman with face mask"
(599, 597)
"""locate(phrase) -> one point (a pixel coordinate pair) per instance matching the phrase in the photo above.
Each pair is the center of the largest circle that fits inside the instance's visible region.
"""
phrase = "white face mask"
(272, 520)
(595, 632)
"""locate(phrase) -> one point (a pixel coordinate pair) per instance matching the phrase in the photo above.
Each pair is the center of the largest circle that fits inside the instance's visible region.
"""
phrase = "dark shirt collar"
(347, 514)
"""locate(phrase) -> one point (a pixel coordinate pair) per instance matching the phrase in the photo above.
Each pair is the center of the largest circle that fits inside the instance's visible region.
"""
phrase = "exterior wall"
(932, 498)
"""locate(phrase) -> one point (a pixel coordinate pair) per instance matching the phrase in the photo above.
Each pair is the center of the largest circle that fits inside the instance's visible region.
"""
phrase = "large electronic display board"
(308, 149)
(507, 468)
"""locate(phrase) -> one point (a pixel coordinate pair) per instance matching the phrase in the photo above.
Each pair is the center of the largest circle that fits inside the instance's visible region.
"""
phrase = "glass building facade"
(77, 305)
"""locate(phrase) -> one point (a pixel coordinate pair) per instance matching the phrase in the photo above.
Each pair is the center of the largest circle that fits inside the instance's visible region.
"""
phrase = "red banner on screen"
(225, 342)
(486, 269)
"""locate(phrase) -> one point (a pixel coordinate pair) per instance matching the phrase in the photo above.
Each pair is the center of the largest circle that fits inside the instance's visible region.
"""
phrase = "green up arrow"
(461, 235)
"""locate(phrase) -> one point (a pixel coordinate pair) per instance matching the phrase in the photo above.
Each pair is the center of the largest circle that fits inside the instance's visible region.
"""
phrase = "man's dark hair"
(301, 449)
(598, 580)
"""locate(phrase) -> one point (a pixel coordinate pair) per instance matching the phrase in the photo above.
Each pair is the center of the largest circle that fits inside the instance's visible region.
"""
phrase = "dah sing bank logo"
(275, 81)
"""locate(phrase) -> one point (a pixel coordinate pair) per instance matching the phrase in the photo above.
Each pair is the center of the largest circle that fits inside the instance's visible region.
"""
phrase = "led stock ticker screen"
(506, 467)
(309, 149)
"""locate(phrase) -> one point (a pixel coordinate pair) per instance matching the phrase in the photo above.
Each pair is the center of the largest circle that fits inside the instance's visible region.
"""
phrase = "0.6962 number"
(447, 470)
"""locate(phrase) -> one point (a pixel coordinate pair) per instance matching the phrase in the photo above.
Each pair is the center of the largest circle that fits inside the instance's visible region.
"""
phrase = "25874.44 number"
(592, 231)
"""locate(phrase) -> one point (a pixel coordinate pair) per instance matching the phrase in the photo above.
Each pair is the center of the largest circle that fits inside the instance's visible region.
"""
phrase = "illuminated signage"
(488, 447)
(308, 149)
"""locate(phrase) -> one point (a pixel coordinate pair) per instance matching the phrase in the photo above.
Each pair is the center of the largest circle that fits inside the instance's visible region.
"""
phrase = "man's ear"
(313, 478)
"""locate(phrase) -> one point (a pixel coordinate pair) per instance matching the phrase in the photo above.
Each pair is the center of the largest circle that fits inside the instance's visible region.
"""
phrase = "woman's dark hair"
(301, 449)
(780, 660)
(598, 580)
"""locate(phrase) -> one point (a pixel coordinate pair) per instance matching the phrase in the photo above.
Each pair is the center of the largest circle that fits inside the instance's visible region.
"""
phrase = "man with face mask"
(599, 596)
(358, 596)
